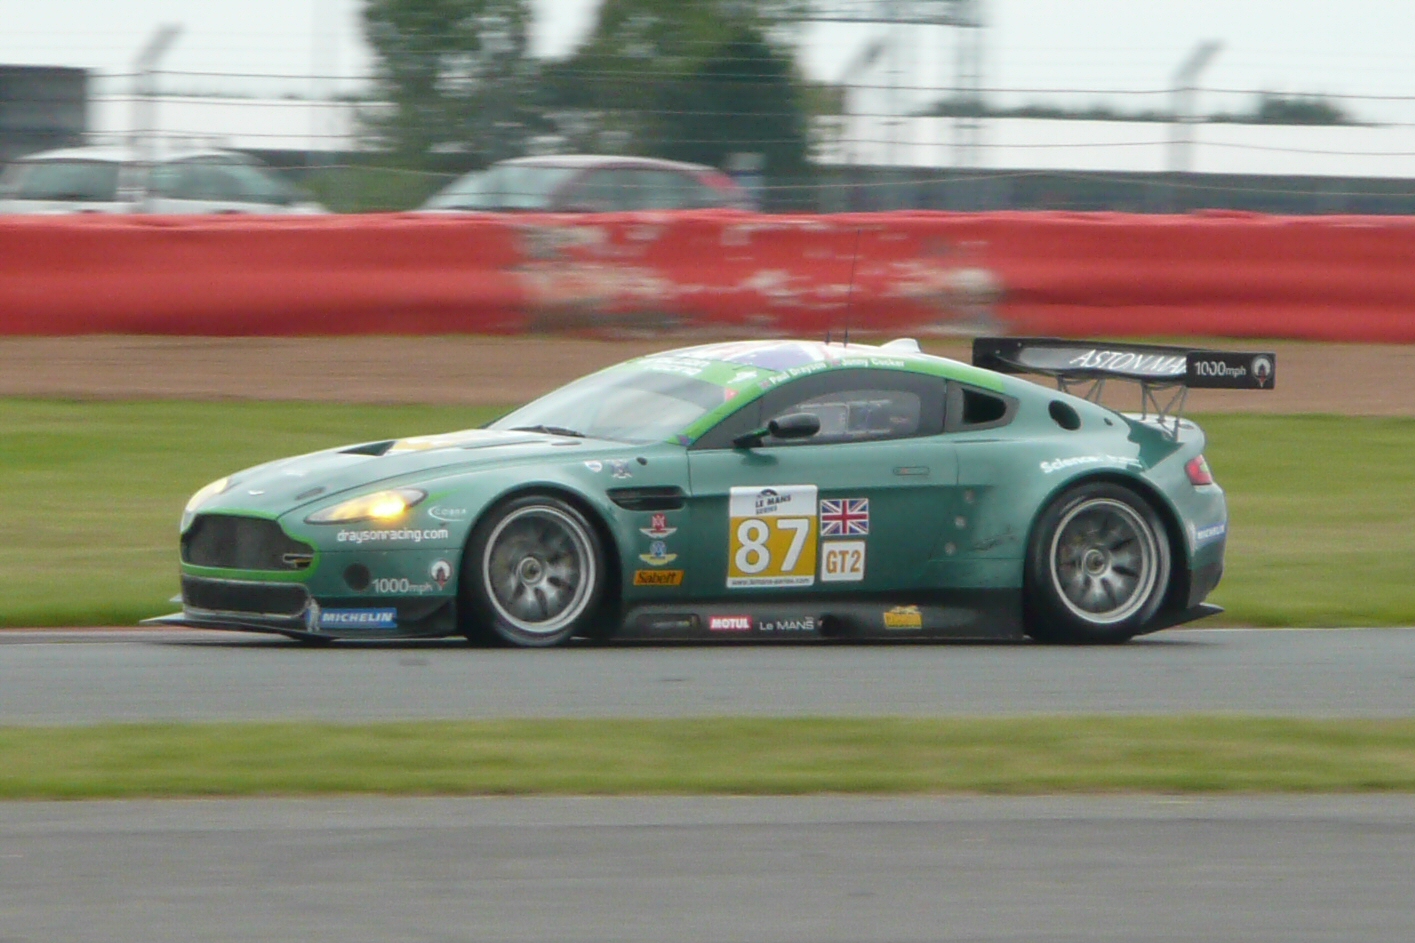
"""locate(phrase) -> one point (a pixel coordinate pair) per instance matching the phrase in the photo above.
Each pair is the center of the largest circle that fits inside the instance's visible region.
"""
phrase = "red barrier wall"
(1328, 278)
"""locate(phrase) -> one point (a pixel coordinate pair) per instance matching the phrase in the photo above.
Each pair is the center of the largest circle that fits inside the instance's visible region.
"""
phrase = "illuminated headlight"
(210, 491)
(381, 506)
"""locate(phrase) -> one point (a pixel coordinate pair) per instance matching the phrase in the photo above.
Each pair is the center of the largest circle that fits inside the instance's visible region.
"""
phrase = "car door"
(854, 508)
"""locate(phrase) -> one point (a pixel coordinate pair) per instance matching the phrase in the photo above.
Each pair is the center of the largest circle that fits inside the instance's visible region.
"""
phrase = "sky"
(1045, 47)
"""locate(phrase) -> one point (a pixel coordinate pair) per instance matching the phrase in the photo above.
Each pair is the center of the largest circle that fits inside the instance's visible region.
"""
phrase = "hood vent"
(372, 448)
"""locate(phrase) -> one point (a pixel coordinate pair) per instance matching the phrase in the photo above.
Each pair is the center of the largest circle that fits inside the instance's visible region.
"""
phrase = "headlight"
(210, 491)
(381, 506)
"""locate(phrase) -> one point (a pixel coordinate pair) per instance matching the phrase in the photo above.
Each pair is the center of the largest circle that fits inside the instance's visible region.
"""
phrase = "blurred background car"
(104, 179)
(590, 183)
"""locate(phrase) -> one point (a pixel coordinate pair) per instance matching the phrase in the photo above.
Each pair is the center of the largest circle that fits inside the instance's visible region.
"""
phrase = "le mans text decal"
(772, 536)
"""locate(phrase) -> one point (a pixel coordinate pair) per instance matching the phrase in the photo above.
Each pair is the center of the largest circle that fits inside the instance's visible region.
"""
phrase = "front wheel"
(533, 573)
(1098, 566)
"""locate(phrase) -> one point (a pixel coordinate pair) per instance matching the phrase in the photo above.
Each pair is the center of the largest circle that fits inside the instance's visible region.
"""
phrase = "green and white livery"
(751, 490)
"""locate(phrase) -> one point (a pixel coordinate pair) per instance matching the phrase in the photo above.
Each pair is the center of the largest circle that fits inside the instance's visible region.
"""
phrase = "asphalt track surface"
(81, 678)
(814, 869)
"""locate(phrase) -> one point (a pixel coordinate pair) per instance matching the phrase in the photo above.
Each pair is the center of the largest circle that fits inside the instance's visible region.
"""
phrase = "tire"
(533, 574)
(1098, 566)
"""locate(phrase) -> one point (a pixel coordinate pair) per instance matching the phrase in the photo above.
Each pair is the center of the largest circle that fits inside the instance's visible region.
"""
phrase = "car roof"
(805, 356)
(605, 160)
(119, 154)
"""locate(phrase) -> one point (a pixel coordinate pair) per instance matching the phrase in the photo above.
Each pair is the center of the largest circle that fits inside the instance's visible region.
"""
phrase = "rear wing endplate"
(1165, 374)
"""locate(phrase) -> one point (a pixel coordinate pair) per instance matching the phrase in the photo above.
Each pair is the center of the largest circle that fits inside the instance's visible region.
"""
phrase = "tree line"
(696, 80)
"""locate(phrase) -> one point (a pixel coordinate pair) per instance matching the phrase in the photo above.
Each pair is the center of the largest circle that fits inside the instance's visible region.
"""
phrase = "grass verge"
(1323, 518)
(1323, 507)
(91, 492)
(1196, 754)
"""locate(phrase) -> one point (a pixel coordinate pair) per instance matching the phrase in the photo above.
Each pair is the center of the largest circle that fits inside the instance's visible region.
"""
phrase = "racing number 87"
(772, 551)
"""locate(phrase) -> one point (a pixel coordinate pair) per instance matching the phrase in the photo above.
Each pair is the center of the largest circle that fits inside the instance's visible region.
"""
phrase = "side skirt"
(982, 615)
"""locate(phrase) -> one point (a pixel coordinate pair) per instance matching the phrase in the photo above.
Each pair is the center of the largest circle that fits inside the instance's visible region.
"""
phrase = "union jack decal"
(846, 517)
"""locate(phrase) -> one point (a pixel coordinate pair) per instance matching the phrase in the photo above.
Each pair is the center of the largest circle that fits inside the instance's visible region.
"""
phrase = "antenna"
(850, 292)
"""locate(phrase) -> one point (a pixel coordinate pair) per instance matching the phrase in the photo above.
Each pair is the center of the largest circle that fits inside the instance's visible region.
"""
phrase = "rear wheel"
(1097, 568)
(533, 574)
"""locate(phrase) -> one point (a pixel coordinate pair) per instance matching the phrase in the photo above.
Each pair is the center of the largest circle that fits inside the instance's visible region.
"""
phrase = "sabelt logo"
(1217, 368)
(903, 617)
(658, 577)
(729, 623)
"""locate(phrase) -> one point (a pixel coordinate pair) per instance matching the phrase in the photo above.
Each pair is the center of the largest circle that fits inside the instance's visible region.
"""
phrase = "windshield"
(73, 181)
(503, 187)
(635, 403)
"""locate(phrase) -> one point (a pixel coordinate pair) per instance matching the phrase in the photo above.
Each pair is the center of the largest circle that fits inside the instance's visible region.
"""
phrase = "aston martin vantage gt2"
(753, 490)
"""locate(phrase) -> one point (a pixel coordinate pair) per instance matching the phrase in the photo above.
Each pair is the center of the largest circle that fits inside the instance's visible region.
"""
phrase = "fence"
(866, 154)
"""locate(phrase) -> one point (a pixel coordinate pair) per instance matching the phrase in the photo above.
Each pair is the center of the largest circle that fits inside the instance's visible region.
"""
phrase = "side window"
(855, 415)
(663, 190)
(861, 405)
(701, 196)
(599, 191)
(163, 178)
(187, 180)
(970, 408)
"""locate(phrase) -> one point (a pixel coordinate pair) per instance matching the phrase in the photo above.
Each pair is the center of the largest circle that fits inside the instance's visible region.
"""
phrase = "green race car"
(759, 489)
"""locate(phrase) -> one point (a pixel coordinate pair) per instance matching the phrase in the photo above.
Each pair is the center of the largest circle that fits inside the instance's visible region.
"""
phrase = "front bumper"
(288, 608)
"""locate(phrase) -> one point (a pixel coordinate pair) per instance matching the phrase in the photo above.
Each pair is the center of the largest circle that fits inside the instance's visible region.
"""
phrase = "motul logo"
(730, 624)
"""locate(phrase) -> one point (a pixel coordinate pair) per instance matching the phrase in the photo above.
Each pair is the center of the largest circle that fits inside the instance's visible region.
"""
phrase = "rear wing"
(1165, 374)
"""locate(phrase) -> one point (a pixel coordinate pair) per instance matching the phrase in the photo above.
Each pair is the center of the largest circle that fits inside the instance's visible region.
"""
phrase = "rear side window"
(70, 181)
(971, 408)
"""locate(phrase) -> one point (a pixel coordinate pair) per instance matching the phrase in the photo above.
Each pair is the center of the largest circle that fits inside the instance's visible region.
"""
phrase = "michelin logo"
(1205, 534)
(358, 619)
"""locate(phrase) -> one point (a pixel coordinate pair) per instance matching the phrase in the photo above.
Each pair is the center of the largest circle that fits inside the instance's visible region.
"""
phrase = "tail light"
(1198, 471)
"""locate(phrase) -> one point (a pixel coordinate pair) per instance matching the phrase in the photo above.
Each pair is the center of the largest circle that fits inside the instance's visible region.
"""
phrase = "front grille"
(242, 543)
(254, 598)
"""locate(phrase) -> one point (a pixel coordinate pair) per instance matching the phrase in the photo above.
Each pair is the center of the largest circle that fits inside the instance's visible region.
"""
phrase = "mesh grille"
(254, 598)
(242, 543)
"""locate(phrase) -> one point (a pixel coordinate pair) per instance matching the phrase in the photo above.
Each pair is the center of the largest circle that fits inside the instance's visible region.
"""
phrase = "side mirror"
(793, 426)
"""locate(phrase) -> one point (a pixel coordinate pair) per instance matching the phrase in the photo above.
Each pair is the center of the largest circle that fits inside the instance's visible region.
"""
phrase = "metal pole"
(145, 107)
(1184, 85)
